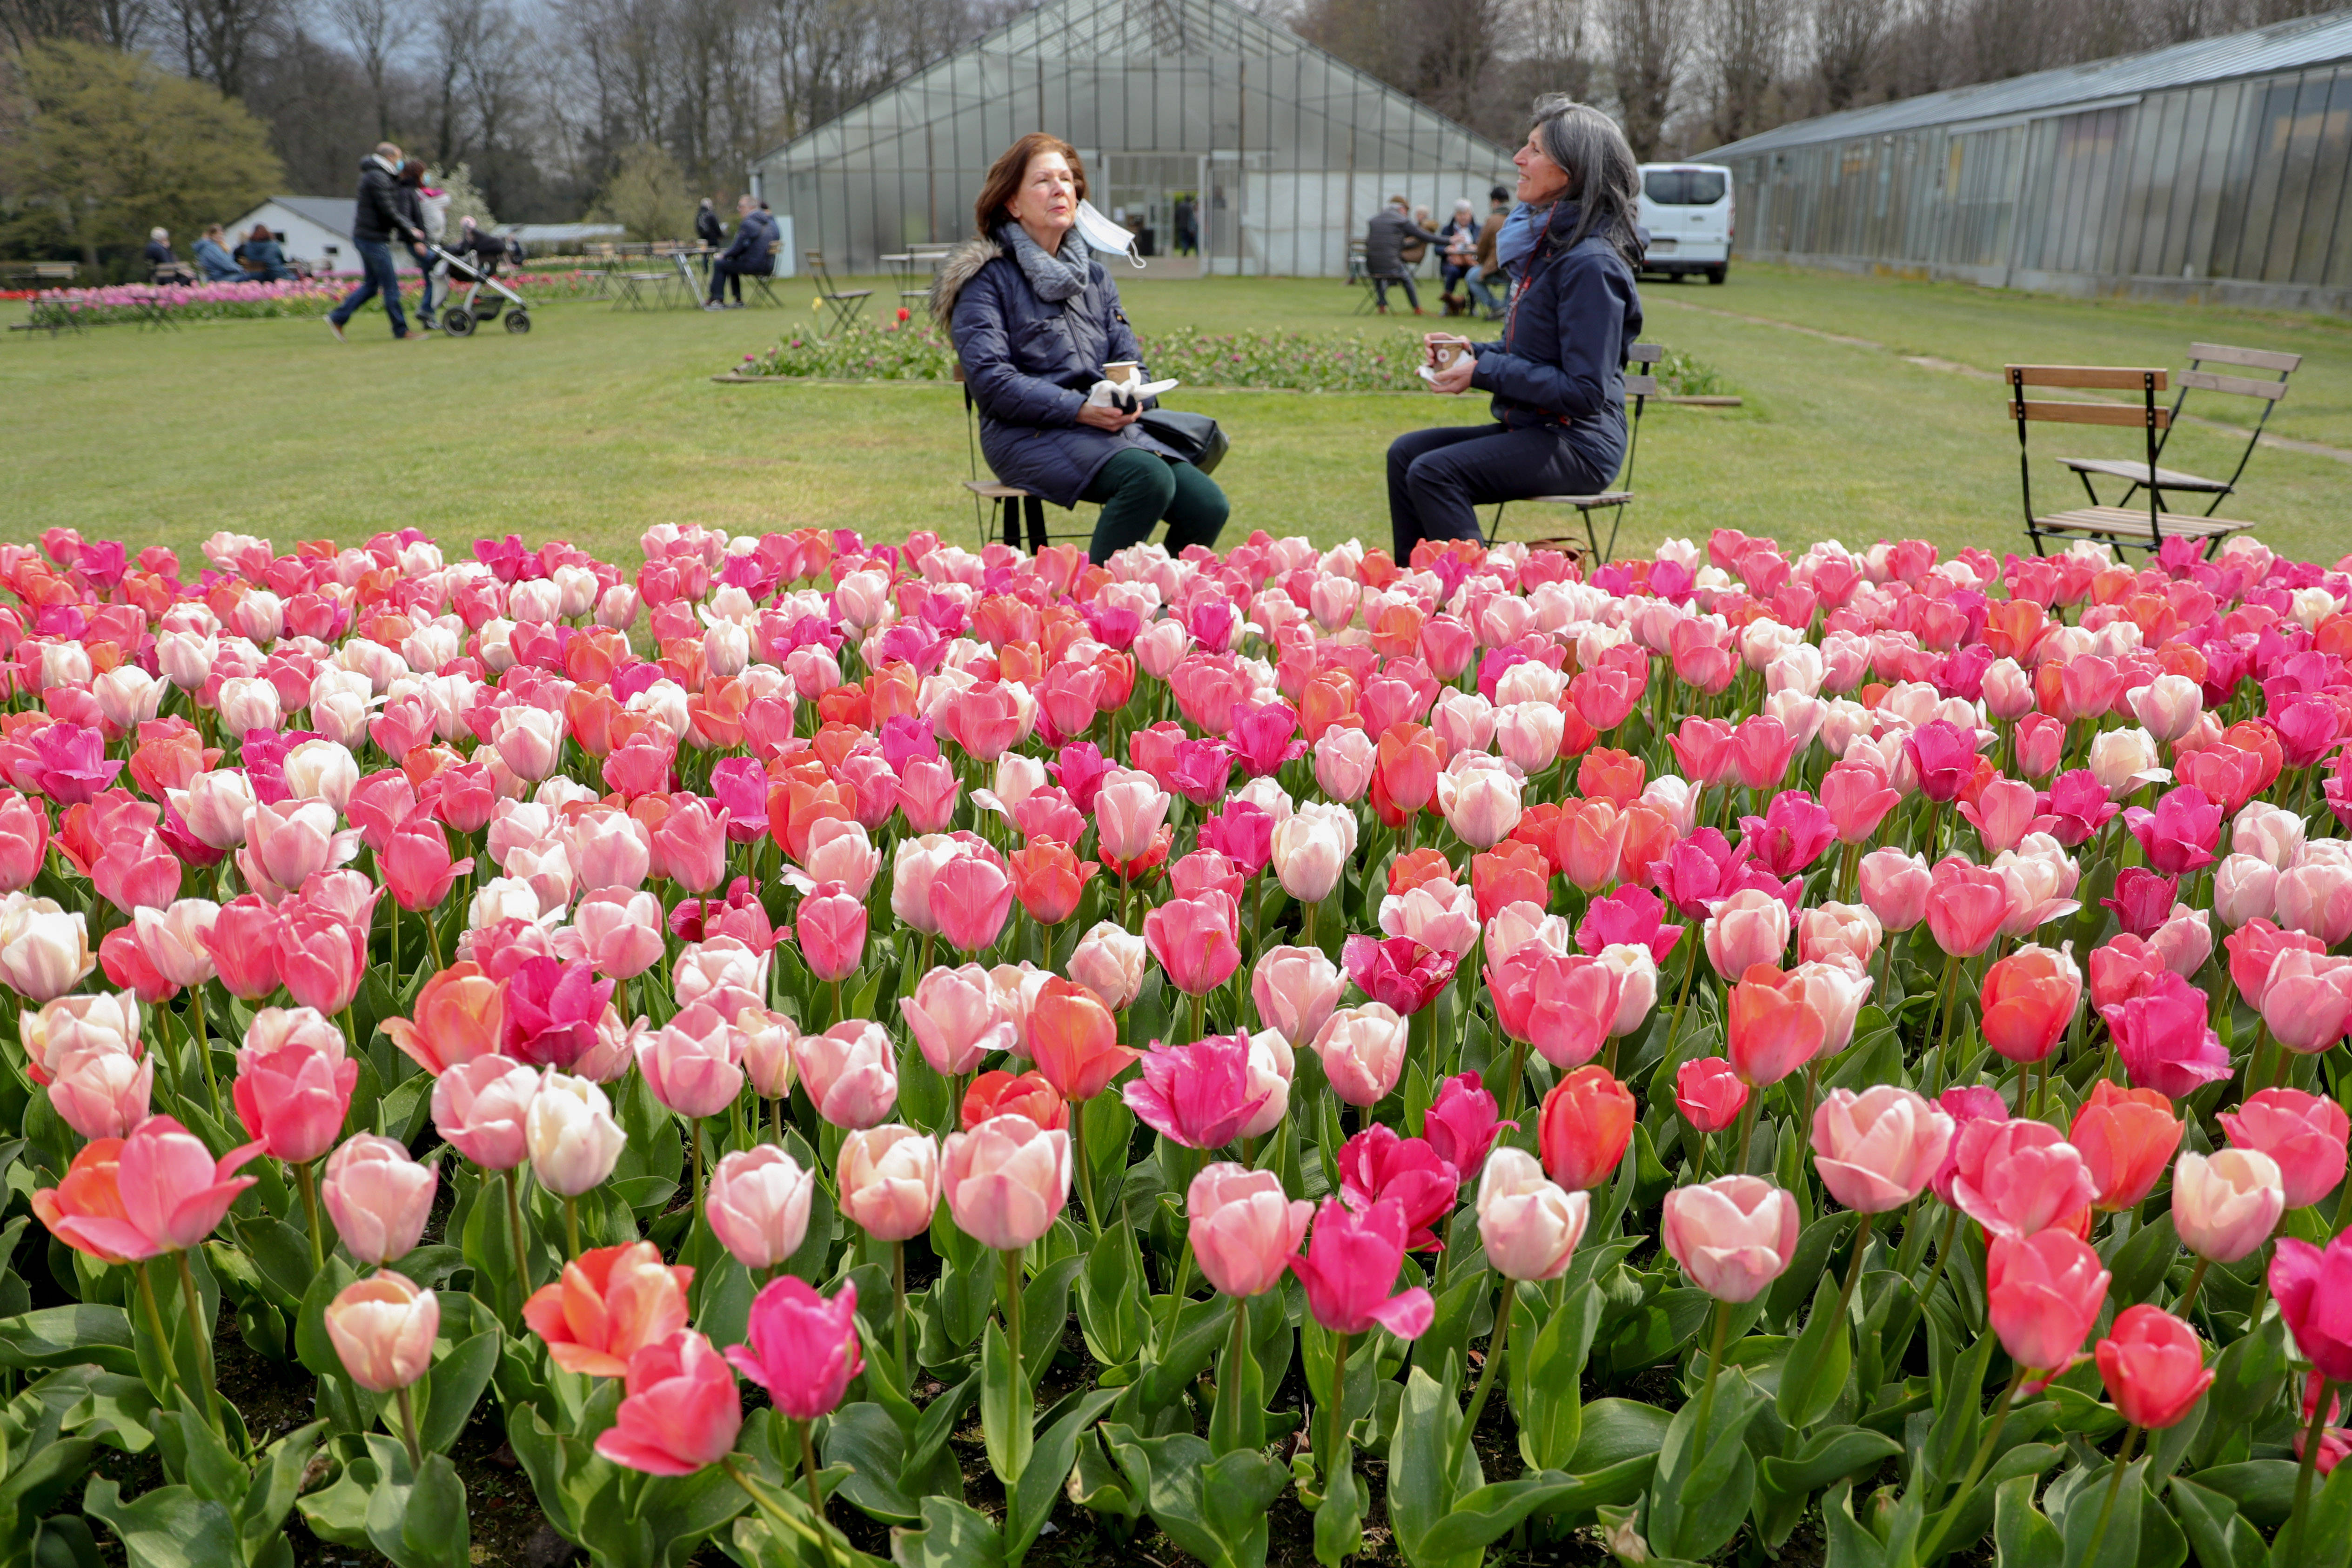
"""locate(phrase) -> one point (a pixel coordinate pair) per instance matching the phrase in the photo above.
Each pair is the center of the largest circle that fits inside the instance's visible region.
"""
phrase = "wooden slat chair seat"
(1640, 387)
(2137, 475)
(2130, 527)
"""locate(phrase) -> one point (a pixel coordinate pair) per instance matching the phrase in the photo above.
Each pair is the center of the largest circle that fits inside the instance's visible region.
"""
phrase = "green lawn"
(600, 423)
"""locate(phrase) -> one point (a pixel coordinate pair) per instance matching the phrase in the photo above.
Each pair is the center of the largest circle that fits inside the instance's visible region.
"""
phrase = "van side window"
(1684, 187)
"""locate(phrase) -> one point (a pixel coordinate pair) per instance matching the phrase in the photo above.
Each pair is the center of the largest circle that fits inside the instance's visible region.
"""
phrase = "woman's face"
(1540, 179)
(1049, 197)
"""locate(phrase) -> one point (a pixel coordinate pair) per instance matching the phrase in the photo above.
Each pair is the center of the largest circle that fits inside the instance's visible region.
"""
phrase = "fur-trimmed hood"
(961, 265)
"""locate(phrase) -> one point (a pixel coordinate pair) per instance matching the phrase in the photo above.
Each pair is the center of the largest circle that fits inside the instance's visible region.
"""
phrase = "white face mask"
(1104, 236)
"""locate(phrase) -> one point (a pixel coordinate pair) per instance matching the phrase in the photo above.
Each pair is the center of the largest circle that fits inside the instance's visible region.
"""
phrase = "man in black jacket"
(747, 253)
(1384, 242)
(375, 223)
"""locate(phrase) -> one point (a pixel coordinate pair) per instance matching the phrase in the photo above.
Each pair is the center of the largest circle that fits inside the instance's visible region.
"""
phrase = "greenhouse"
(2212, 171)
(1282, 152)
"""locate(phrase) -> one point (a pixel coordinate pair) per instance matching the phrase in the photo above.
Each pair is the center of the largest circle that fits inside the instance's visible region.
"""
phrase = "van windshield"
(1684, 187)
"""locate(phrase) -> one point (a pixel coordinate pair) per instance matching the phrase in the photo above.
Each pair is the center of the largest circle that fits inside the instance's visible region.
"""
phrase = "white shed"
(316, 229)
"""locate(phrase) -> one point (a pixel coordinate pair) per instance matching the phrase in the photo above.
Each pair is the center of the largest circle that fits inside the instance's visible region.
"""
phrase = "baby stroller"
(477, 273)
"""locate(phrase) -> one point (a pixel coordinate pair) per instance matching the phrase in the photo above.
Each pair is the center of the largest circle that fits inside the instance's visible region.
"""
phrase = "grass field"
(599, 423)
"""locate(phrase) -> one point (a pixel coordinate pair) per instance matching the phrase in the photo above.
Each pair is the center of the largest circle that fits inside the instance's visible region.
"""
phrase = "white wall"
(305, 240)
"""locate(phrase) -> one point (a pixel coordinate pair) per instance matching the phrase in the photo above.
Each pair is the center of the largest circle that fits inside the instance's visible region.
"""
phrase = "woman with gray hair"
(1557, 377)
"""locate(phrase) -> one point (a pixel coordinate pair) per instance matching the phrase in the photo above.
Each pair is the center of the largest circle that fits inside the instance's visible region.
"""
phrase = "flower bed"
(302, 296)
(913, 348)
(1615, 1052)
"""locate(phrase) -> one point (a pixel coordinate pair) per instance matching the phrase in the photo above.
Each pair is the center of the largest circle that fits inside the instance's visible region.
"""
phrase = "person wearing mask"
(1461, 236)
(1390, 230)
(1484, 274)
(410, 191)
(1036, 321)
(376, 222)
(213, 259)
(747, 252)
(1557, 378)
(262, 258)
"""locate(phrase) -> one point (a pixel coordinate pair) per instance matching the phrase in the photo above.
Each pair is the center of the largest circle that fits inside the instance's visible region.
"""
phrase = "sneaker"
(335, 327)
(712, 305)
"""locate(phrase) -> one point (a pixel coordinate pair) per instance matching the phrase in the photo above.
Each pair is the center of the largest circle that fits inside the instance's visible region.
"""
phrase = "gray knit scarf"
(1054, 277)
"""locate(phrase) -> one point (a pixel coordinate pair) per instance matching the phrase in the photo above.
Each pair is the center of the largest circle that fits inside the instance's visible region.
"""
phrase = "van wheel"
(1717, 274)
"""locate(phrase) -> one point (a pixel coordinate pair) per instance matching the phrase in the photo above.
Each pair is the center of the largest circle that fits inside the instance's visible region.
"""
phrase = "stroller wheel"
(457, 321)
(517, 322)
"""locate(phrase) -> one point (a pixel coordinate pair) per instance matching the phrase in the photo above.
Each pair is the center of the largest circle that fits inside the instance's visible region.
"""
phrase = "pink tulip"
(1128, 810)
(758, 1206)
(681, 1411)
(1895, 887)
(620, 932)
(2227, 1205)
(2162, 1038)
(321, 958)
(1857, 799)
(1965, 906)
(2019, 1177)
(851, 1073)
(416, 866)
(957, 1019)
(689, 846)
(1708, 1093)
(2002, 812)
(1245, 1230)
(1830, 930)
(1733, 1235)
(1749, 928)
(378, 1197)
(2153, 1364)
(1006, 1180)
(800, 1348)
(173, 939)
(1195, 941)
(1528, 1226)
(478, 1108)
(287, 842)
(2305, 1134)
(293, 1100)
(831, 928)
(382, 1329)
(2307, 1000)
(889, 1181)
(1362, 1052)
(1350, 1267)
(969, 898)
(1197, 1095)
(1377, 1165)
(1461, 1124)
(169, 1195)
(242, 943)
(1877, 1150)
(1111, 963)
(2043, 1293)
(2314, 1290)
(1296, 989)
(100, 1091)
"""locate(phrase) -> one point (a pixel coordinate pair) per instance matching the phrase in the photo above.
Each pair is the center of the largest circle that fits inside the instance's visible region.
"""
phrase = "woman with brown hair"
(1036, 319)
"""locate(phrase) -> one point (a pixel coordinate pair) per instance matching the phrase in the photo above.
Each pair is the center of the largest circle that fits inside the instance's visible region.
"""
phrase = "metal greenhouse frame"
(1284, 149)
(2210, 171)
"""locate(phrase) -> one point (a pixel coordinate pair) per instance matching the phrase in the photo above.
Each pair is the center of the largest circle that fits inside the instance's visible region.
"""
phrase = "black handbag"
(1195, 437)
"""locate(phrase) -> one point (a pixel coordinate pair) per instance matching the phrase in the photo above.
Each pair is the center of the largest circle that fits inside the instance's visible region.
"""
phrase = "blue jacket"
(750, 243)
(218, 266)
(1028, 363)
(1561, 359)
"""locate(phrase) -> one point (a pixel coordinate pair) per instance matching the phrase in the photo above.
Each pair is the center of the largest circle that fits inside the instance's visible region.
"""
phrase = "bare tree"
(1847, 36)
(1745, 42)
(1648, 44)
(376, 30)
(220, 41)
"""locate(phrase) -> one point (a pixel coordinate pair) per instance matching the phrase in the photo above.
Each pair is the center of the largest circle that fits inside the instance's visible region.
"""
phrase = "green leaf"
(1200, 1327)
(418, 1521)
(1818, 1363)
(1045, 1313)
(1616, 1430)
(2138, 1266)
(1422, 1485)
(115, 1410)
(458, 1381)
(1214, 1508)
(1492, 1511)
(1807, 1264)
(1546, 1379)
(2119, 1546)
(1847, 1542)
(2261, 1489)
(338, 1511)
(1706, 1478)
(2022, 1536)
(170, 1527)
(1110, 1298)
(63, 1336)
(1339, 1518)
(1005, 1407)
(275, 1481)
(2220, 1536)
(938, 1424)
(1836, 1452)
(1031, 1502)
(863, 1437)
(952, 1536)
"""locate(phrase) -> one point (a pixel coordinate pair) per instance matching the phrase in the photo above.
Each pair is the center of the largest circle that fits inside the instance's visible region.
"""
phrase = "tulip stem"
(1012, 1314)
(1331, 1458)
(514, 1232)
(2115, 1484)
(2343, 1207)
(694, 1142)
(1086, 1176)
(840, 1014)
(1229, 1383)
(2188, 1296)
(1201, 1015)
(1674, 1024)
(2303, 1471)
(1746, 1133)
(571, 1223)
(767, 1505)
(408, 1429)
(2258, 1060)
(203, 1051)
(1485, 1381)
(1853, 1267)
(155, 1319)
(1706, 1390)
(203, 1344)
(1983, 1457)
(808, 1470)
(899, 1311)
(1511, 1088)
(1948, 1003)
(1943, 1251)
(307, 1179)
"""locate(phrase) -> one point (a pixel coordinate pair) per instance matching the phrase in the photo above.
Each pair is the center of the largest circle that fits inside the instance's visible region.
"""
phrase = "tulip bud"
(572, 1139)
(382, 1329)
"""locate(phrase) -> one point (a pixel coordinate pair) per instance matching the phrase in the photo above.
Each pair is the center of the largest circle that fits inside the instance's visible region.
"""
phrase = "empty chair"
(2123, 526)
(2145, 474)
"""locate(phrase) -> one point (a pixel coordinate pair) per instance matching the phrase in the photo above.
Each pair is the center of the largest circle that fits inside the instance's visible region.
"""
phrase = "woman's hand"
(1455, 379)
(1103, 416)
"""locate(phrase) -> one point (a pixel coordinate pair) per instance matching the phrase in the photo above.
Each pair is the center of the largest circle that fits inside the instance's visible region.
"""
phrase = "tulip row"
(1316, 1006)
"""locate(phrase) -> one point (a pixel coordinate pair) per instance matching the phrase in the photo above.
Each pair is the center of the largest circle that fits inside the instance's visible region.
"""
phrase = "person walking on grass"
(377, 222)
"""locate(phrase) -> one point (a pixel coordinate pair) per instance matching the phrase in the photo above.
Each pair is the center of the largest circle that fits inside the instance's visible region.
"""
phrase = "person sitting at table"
(1036, 321)
(1558, 376)
(748, 252)
(262, 258)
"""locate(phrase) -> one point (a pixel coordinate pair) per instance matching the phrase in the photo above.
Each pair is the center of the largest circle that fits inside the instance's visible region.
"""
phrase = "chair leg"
(1616, 521)
(1036, 511)
(1011, 511)
(1592, 537)
(1495, 529)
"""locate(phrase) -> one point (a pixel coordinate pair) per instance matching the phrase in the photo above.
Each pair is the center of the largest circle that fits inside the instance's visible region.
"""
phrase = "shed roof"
(332, 214)
(2284, 46)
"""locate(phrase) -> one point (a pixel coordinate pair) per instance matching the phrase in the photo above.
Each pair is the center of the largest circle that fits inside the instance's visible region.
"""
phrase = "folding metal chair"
(763, 282)
(2145, 474)
(842, 303)
(2123, 526)
(1007, 504)
(1640, 387)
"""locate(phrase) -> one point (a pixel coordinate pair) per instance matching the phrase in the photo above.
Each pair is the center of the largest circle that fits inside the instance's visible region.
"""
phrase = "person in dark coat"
(1558, 375)
(376, 222)
(747, 252)
(408, 190)
(1188, 227)
(707, 228)
(1035, 320)
(264, 256)
(1384, 242)
(162, 267)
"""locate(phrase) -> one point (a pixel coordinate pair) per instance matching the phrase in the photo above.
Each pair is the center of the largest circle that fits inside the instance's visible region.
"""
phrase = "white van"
(1687, 209)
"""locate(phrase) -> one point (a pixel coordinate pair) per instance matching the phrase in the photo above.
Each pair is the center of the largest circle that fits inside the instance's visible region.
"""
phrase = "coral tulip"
(2043, 1293)
(1773, 1027)
(681, 1411)
(2125, 1137)
(1709, 1093)
(461, 1015)
(610, 1303)
(2154, 1366)
(2029, 999)
(1586, 1122)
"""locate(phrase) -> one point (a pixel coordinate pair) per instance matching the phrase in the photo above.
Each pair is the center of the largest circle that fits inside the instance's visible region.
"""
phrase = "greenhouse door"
(1142, 190)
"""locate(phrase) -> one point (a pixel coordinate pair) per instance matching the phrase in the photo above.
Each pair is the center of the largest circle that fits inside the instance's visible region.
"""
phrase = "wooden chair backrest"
(1646, 353)
(2147, 382)
(2255, 359)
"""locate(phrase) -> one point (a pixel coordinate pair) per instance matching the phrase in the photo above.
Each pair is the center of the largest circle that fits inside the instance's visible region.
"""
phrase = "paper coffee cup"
(1445, 348)
(1120, 371)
